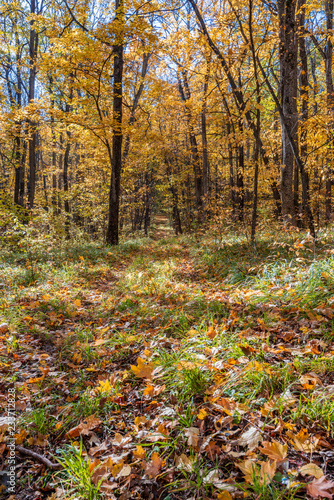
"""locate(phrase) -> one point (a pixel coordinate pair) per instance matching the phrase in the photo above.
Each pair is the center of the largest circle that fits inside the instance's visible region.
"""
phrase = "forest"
(166, 249)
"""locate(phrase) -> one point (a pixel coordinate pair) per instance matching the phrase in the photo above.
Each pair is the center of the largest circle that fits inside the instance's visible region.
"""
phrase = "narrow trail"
(163, 228)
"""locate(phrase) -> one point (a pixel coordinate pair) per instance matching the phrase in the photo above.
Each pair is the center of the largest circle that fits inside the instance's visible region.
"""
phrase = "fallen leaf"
(143, 369)
(140, 420)
(224, 495)
(192, 434)
(153, 467)
(212, 332)
(275, 450)
(125, 471)
(253, 473)
(202, 414)
(184, 462)
(303, 441)
(84, 427)
(319, 488)
(120, 440)
(250, 438)
(311, 470)
(139, 453)
(309, 381)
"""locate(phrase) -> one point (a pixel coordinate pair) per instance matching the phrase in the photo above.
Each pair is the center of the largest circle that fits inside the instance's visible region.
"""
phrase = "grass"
(77, 479)
(228, 331)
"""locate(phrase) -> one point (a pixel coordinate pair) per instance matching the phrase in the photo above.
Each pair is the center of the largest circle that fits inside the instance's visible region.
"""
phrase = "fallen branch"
(38, 457)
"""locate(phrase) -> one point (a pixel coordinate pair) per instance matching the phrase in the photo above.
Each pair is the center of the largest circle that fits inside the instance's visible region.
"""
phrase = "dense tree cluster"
(203, 109)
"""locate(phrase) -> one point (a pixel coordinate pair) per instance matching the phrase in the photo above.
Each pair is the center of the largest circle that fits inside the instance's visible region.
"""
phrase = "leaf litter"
(159, 388)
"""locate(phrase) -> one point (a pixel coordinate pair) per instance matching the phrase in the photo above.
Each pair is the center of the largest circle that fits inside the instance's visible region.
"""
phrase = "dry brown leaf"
(153, 467)
(304, 442)
(250, 438)
(184, 462)
(212, 332)
(192, 434)
(100, 474)
(84, 427)
(262, 474)
(125, 471)
(101, 448)
(120, 440)
(140, 421)
(320, 487)
(311, 470)
(309, 381)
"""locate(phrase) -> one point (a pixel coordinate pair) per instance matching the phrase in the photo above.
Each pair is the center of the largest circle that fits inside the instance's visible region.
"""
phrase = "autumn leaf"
(143, 369)
(184, 462)
(250, 438)
(140, 420)
(85, 427)
(311, 470)
(253, 473)
(319, 488)
(309, 381)
(139, 453)
(202, 414)
(192, 433)
(153, 467)
(212, 332)
(303, 441)
(224, 495)
(120, 440)
(275, 450)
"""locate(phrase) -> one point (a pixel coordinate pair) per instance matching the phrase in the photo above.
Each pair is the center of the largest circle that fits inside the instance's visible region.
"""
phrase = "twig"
(38, 457)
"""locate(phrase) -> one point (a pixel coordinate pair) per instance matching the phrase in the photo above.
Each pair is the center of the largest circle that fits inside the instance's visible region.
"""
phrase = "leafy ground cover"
(173, 368)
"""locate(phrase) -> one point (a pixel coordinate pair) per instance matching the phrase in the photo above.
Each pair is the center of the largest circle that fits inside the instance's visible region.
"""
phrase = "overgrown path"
(163, 227)
(171, 369)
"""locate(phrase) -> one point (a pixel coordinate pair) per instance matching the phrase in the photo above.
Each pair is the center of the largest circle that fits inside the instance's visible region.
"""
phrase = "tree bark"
(288, 88)
(33, 47)
(112, 237)
(303, 81)
(205, 157)
(184, 91)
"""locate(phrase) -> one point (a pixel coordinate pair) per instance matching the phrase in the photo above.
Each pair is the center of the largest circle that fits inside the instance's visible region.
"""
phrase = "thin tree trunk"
(330, 105)
(33, 47)
(258, 124)
(304, 83)
(112, 237)
(205, 157)
(185, 96)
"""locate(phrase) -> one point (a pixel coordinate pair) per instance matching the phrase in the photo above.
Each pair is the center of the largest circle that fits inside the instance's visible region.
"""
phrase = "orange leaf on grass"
(143, 369)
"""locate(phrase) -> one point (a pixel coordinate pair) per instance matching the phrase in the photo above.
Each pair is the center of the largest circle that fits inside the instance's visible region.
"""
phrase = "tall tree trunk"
(184, 91)
(240, 176)
(112, 237)
(205, 157)
(33, 47)
(330, 105)
(288, 87)
(258, 124)
(303, 82)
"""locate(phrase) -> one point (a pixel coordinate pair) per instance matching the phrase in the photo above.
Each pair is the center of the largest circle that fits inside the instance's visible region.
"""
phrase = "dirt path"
(163, 228)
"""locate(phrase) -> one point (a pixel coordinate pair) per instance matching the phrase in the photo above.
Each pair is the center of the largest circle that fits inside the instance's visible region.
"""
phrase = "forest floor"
(175, 368)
